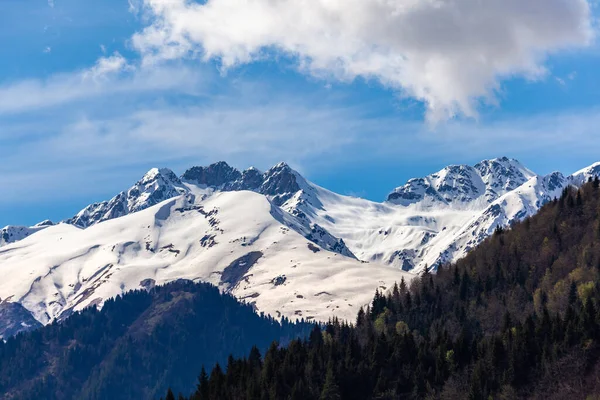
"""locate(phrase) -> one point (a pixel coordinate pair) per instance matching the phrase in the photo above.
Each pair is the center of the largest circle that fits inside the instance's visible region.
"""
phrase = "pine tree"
(331, 390)
(170, 395)
(202, 389)
(572, 293)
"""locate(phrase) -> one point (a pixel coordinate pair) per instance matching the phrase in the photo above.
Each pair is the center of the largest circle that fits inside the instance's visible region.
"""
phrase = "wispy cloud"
(109, 76)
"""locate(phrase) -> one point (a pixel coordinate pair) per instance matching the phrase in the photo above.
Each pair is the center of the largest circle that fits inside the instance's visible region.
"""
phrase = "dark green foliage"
(139, 345)
(517, 318)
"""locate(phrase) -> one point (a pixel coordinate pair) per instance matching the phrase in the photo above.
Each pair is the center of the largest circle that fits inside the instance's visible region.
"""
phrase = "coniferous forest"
(137, 346)
(519, 317)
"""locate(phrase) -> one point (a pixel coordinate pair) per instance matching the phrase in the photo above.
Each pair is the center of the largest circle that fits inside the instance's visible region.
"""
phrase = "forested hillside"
(517, 318)
(136, 346)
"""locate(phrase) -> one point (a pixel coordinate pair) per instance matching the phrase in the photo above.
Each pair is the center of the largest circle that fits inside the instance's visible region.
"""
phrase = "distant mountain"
(272, 238)
(436, 219)
(10, 234)
(137, 346)
(462, 185)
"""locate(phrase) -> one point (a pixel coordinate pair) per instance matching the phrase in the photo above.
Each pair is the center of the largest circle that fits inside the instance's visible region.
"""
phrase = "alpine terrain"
(273, 239)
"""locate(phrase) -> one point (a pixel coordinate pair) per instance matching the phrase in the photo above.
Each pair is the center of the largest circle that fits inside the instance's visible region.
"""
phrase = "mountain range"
(272, 239)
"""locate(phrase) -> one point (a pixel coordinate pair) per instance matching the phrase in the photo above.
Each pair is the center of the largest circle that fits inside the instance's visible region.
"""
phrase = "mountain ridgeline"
(279, 183)
(519, 317)
(322, 254)
(137, 346)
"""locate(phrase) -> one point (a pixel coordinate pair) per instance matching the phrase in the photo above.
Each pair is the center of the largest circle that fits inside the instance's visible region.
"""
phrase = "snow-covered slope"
(273, 238)
(237, 240)
(12, 233)
(585, 174)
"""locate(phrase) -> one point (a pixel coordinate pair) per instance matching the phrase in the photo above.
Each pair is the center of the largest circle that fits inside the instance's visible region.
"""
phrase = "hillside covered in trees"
(517, 318)
(136, 346)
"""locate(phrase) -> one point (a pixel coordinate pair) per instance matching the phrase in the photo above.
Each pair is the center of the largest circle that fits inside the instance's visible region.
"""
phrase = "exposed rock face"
(279, 183)
(215, 175)
(235, 272)
(251, 179)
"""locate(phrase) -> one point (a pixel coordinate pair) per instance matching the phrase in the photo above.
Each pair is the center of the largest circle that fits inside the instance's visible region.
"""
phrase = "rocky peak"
(555, 181)
(44, 223)
(501, 175)
(457, 183)
(215, 175)
(252, 179)
(464, 184)
(281, 182)
(155, 186)
(163, 175)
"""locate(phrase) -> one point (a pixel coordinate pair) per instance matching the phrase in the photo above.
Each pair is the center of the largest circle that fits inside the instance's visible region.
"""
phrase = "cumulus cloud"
(450, 54)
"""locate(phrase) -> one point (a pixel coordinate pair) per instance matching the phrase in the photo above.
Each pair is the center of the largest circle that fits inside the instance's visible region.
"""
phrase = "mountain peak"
(281, 182)
(501, 175)
(157, 173)
(463, 184)
(157, 185)
(281, 165)
(44, 223)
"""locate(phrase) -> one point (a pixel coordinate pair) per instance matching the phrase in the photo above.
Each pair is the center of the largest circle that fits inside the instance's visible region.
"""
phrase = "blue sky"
(357, 98)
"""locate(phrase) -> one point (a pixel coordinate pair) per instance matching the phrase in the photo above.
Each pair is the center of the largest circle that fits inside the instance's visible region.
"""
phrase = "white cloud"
(51, 3)
(107, 66)
(451, 54)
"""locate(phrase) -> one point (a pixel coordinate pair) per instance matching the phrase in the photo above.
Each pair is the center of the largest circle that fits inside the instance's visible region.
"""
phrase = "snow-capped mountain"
(156, 186)
(585, 174)
(237, 240)
(271, 238)
(462, 185)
